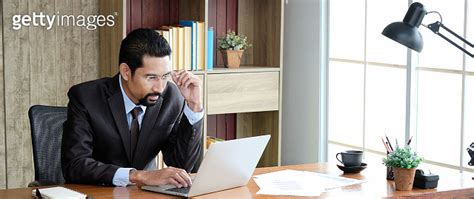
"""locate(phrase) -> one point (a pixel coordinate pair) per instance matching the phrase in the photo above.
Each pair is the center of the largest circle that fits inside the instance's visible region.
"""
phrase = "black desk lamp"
(407, 34)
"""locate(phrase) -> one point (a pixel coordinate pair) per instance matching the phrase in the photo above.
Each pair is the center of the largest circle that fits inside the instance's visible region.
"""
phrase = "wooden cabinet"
(252, 92)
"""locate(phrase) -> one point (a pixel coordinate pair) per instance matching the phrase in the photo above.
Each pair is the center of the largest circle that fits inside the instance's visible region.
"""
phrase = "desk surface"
(456, 185)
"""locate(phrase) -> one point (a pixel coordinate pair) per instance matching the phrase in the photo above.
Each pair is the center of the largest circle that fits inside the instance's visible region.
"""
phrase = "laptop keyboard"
(184, 190)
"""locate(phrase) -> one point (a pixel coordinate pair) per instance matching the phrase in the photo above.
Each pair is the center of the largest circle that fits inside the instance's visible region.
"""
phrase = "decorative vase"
(232, 58)
(404, 178)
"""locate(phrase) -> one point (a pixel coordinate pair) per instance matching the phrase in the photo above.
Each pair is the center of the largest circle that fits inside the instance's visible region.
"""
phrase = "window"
(368, 79)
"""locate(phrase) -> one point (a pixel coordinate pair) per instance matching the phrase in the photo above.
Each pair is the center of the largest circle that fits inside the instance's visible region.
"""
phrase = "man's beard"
(145, 102)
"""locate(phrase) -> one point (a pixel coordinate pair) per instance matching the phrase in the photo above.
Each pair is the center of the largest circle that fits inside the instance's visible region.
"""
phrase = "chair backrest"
(46, 124)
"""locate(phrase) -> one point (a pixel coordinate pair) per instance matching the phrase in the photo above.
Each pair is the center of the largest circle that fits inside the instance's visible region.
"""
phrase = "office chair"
(46, 124)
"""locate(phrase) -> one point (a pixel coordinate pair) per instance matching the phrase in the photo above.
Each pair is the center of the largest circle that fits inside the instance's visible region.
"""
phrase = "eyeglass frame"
(161, 78)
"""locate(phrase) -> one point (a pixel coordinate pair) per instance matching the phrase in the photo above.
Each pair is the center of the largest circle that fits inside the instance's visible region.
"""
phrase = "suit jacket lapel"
(118, 111)
(149, 120)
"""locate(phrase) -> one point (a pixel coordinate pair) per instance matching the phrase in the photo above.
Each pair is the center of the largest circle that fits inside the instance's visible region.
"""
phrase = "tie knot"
(136, 111)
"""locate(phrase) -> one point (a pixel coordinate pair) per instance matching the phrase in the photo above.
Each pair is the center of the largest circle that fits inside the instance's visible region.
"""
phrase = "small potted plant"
(232, 47)
(404, 162)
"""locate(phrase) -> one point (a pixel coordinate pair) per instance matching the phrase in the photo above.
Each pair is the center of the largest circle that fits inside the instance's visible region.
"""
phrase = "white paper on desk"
(285, 187)
(299, 183)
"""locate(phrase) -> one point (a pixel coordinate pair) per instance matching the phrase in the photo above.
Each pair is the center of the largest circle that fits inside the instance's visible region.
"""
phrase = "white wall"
(304, 82)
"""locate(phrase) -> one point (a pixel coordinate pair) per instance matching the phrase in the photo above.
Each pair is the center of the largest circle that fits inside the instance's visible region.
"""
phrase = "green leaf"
(402, 158)
(232, 41)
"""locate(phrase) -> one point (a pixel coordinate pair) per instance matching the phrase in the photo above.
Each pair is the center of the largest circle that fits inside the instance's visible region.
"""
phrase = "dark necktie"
(134, 130)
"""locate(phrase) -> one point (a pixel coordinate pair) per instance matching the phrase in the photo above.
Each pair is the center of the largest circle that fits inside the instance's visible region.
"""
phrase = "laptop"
(226, 165)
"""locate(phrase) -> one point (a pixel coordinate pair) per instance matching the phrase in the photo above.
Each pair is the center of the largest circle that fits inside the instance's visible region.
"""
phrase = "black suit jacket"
(96, 138)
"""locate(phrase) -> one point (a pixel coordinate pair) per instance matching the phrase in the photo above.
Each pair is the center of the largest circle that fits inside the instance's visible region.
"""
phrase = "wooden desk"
(452, 186)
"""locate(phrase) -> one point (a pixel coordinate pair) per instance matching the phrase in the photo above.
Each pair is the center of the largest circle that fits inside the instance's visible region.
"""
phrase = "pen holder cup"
(390, 175)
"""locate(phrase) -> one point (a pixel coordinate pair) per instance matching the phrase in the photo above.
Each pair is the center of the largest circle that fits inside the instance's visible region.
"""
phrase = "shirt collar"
(129, 105)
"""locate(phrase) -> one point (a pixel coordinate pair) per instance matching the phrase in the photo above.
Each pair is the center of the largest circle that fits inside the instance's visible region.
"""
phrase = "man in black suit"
(116, 126)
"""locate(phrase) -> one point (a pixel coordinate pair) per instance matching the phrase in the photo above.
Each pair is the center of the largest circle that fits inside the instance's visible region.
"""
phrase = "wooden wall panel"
(222, 126)
(230, 126)
(90, 40)
(245, 24)
(220, 28)
(192, 10)
(231, 16)
(110, 37)
(44, 74)
(261, 123)
(3, 173)
(260, 21)
(163, 16)
(174, 12)
(67, 58)
(40, 67)
(127, 17)
(17, 97)
(158, 13)
(152, 13)
(272, 33)
(135, 11)
(211, 125)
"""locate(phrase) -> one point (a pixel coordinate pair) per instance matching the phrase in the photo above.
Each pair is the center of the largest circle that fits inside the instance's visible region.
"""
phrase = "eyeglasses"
(158, 78)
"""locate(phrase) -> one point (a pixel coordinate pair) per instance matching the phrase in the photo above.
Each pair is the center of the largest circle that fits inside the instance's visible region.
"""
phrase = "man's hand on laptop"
(170, 175)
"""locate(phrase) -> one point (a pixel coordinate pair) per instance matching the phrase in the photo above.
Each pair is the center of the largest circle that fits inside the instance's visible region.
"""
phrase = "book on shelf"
(173, 43)
(187, 47)
(187, 42)
(180, 48)
(201, 45)
(174, 48)
(210, 48)
(167, 33)
(192, 24)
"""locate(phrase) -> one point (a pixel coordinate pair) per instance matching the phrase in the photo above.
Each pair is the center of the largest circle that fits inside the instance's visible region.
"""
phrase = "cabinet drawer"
(242, 92)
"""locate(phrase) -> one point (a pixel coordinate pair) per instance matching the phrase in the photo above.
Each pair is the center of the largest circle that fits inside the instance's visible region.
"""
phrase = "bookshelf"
(252, 93)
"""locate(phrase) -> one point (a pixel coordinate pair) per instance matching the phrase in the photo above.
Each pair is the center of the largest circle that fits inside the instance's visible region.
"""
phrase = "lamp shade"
(406, 32)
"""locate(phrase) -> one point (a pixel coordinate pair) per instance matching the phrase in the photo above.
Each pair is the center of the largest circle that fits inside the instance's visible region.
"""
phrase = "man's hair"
(139, 43)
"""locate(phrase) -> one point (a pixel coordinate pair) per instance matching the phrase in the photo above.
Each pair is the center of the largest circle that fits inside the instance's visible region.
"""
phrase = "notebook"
(59, 192)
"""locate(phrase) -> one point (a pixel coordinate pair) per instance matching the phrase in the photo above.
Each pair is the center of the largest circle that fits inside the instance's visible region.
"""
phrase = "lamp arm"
(435, 28)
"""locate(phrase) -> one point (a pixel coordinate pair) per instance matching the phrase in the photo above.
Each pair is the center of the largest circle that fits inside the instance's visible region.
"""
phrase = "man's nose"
(158, 87)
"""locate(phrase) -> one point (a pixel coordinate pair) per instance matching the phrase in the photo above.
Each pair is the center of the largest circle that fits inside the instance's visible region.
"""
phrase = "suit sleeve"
(77, 160)
(184, 146)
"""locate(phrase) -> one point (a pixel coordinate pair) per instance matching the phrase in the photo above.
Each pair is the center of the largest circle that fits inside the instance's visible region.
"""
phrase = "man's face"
(148, 82)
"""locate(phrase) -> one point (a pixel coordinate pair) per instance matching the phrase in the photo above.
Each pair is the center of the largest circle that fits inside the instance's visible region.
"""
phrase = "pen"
(389, 144)
(409, 140)
(385, 144)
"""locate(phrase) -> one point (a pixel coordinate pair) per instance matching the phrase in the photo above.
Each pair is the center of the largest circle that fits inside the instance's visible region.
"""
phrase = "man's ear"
(125, 71)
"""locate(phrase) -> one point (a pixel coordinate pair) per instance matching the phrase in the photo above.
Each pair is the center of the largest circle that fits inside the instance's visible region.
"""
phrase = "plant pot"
(404, 178)
(232, 58)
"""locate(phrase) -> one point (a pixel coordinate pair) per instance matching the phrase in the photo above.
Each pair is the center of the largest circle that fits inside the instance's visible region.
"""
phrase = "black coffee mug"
(350, 158)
